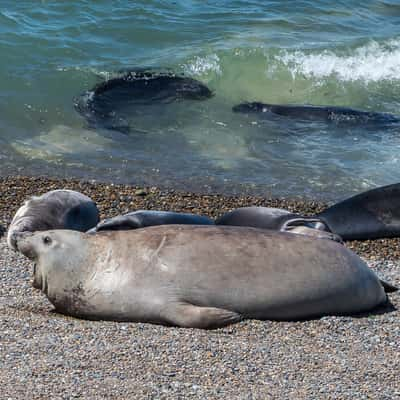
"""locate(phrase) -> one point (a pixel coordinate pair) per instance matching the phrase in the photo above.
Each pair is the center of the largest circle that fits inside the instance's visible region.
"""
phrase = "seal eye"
(47, 240)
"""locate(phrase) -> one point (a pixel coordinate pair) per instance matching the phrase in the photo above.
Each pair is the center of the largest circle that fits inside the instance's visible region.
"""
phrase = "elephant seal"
(145, 218)
(101, 105)
(369, 215)
(322, 113)
(198, 276)
(57, 209)
(270, 218)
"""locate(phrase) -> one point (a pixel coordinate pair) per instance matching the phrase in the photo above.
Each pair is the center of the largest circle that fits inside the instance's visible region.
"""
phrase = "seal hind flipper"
(187, 315)
(312, 232)
(388, 287)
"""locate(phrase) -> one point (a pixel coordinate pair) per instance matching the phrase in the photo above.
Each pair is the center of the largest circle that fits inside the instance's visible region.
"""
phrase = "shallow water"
(304, 52)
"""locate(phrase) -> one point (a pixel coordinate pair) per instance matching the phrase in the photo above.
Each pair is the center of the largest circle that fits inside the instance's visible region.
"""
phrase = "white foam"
(202, 65)
(371, 63)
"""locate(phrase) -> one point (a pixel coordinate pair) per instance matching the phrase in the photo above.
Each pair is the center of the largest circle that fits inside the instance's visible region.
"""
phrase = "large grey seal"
(369, 215)
(198, 276)
(321, 113)
(57, 209)
(101, 105)
(145, 218)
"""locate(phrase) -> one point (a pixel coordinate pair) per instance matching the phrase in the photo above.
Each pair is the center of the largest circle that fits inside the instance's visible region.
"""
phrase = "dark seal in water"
(315, 113)
(101, 105)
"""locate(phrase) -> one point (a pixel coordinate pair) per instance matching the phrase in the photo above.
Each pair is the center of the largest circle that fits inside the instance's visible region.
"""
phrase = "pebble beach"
(45, 355)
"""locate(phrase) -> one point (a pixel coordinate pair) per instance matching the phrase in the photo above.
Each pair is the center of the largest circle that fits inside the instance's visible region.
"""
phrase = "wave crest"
(371, 63)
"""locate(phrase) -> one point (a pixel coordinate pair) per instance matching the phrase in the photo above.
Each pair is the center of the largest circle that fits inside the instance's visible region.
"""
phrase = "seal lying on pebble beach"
(198, 276)
(369, 215)
(57, 209)
(144, 218)
(316, 113)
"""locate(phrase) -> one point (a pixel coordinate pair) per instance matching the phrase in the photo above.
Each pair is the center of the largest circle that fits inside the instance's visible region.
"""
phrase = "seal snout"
(23, 244)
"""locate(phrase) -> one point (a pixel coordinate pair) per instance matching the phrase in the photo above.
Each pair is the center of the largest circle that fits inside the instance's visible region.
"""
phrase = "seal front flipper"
(186, 315)
(118, 223)
(312, 232)
(388, 287)
(369, 215)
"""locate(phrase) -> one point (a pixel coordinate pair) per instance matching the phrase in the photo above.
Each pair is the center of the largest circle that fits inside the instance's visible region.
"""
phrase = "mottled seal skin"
(369, 215)
(145, 218)
(199, 276)
(57, 209)
(100, 105)
(321, 113)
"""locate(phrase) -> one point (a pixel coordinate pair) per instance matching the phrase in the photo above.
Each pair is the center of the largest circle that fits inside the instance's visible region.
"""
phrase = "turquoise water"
(344, 53)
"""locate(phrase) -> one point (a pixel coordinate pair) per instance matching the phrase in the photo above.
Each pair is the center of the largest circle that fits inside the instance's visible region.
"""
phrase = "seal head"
(57, 209)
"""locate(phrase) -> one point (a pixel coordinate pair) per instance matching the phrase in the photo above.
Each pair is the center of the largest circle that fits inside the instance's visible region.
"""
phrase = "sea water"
(342, 53)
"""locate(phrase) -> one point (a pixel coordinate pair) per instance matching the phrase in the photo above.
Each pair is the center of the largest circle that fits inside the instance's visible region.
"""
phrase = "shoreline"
(53, 356)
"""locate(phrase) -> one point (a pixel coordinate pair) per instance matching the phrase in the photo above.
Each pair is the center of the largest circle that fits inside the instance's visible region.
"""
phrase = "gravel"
(45, 355)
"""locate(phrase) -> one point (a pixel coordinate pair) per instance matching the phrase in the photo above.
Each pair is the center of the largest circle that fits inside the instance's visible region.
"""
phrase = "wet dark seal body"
(199, 276)
(101, 105)
(321, 113)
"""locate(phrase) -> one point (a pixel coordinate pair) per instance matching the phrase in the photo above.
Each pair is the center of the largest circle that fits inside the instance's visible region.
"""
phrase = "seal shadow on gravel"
(49, 311)
(386, 308)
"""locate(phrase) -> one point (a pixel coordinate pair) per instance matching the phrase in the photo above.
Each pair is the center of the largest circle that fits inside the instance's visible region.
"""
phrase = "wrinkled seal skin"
(101, 104)
(57, 209)
(199, 276)
(145, 218)
(310, 112)
(369, 215)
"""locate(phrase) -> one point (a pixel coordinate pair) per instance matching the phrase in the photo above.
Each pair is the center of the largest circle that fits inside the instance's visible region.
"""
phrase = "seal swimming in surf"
(321, 113)
(198, 276)
(57, 209)
(101, 105)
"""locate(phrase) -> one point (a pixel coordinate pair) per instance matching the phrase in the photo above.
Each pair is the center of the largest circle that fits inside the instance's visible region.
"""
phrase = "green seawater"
(344, 53)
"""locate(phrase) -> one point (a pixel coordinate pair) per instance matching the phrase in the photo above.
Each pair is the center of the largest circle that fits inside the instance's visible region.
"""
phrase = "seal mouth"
(36, 283)
(23, 245)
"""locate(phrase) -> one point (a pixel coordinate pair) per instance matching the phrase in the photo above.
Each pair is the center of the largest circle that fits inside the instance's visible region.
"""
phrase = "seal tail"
(388, 287)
